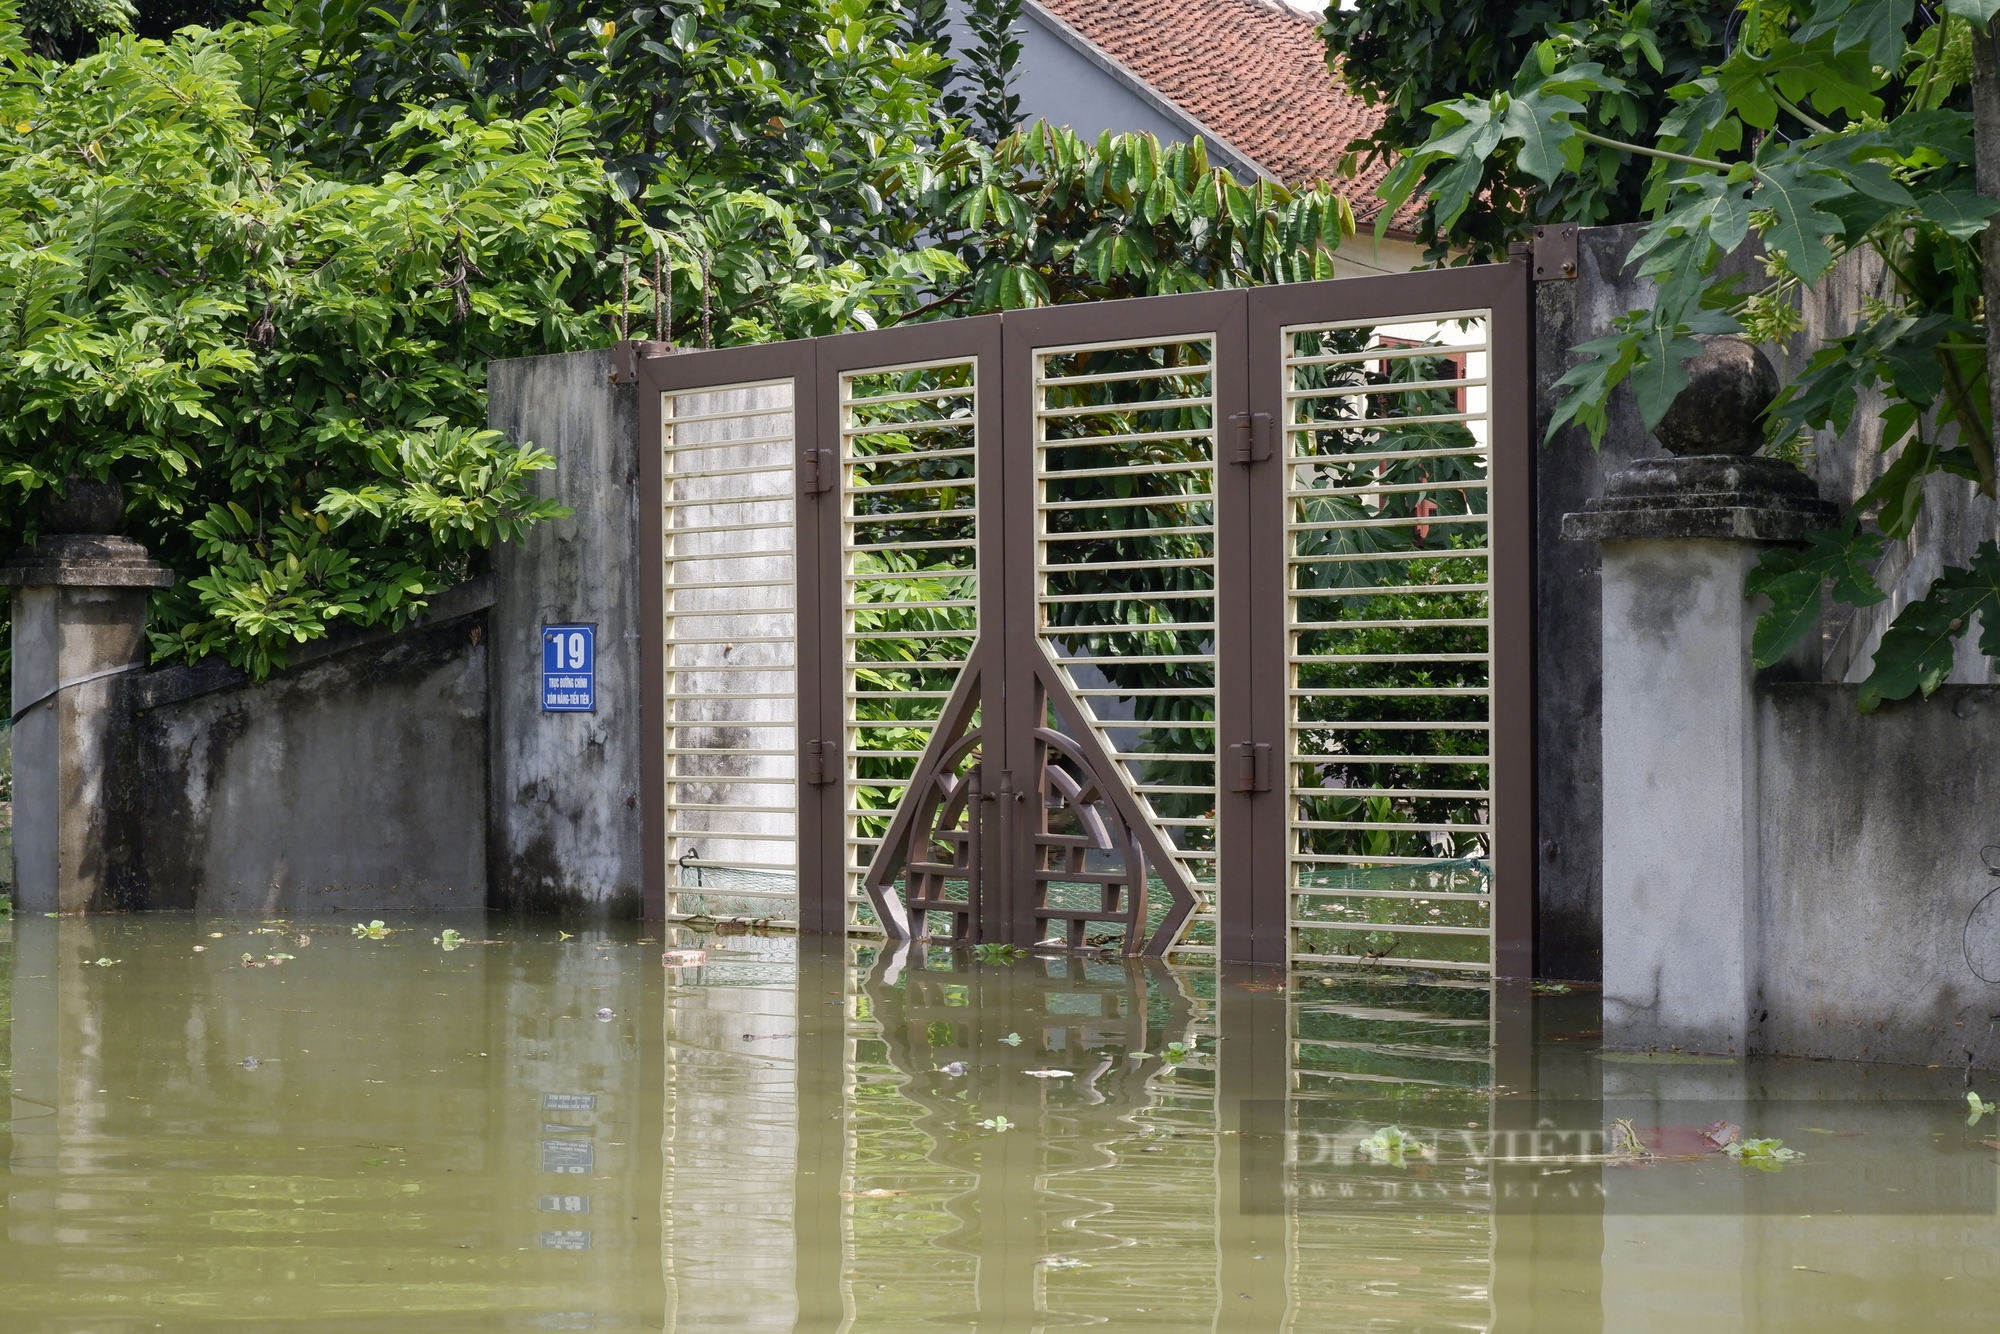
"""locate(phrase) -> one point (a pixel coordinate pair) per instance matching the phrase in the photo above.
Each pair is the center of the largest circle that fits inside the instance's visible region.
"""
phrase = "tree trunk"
(1986, 165)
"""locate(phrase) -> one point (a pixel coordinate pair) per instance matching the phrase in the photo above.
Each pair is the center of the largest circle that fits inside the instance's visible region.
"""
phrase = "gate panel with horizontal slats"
(1193, 624)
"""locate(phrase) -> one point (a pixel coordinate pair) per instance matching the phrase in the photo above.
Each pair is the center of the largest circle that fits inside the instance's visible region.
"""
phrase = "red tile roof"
(1255, 73)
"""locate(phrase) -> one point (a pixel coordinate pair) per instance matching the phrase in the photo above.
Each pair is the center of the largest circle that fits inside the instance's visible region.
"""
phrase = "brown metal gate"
(1196, 624)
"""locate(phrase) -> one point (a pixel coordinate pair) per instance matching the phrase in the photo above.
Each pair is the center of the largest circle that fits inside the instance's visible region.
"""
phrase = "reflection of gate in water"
(1193, 626)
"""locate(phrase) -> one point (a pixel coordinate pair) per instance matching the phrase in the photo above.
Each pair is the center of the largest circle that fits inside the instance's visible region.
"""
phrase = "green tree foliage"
(256, 274)
(1047, 217)
(286, 372)
(1830, 126)
(996, 50)
(163, 18)
(67, 28)
(1406, 55)
(817, 104)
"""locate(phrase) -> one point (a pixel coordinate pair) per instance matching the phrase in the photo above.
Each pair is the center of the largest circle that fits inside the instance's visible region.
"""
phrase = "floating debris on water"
(1392, 1145)
(684, 958)
(375, 930)
(955, 1069)
(997, 1123)
(1978, 1107)
(1765, 1154)
(249, 1062)
(1012, 1039)
(606, 1014)
(1062, 1262)
(1051, 1074)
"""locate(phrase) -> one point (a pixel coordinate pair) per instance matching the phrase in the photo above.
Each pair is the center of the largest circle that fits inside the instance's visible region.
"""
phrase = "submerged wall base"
(1871, 882)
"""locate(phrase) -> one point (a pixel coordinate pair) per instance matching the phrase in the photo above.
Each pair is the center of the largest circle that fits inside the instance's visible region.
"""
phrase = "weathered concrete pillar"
(79, 625)
(1680, 733)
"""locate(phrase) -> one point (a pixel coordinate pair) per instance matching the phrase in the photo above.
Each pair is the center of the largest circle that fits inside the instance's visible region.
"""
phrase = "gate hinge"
(1252, 766)
(817, 469)
(1554, 252)
(1253, 436)
(818, 771)
(627, 353)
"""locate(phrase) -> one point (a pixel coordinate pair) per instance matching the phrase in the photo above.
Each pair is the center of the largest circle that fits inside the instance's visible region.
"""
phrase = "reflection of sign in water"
(568, 1157)
(569, 1102)
(566, 1241)
(565, 1204)
(569, 668)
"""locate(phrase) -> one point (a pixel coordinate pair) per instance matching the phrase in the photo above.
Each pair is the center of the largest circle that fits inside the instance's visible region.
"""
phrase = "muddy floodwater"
(246, 1125)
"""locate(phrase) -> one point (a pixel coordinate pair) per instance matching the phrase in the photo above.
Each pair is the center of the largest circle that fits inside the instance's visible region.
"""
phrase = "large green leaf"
(1792, 578)
(1793, 192)
(1918, 649)
(1961, 213)
(1541, 122)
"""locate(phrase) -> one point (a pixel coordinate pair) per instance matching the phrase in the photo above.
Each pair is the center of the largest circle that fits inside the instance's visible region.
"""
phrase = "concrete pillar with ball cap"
(79, 631)
(1679, 743)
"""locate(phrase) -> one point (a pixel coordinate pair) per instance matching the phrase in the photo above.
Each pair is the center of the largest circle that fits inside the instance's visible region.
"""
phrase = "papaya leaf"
(1963, 214)
(1980, 12)
(1917, 652)
(1793, 580)
(1794, 193)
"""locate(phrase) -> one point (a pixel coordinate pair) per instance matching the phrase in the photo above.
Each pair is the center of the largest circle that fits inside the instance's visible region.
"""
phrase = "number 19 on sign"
(569, 669)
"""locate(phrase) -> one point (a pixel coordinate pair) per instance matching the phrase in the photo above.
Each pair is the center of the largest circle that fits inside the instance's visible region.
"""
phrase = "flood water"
(524, 1132)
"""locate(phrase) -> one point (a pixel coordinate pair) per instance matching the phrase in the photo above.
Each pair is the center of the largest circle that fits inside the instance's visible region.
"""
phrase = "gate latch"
(1253, 436)
(1554, 252)
(817, 769)
(1252, 766)
(818, 471)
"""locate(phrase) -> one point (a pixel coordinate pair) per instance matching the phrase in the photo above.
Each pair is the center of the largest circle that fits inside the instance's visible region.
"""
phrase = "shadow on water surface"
(508, 1129)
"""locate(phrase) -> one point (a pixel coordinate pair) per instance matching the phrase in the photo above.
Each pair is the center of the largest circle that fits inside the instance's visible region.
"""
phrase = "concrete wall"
(1570, 472)
(1064, 82)
(351, 783)
(1871, 831)
(1568, 659)
(69, 633)
(563, 823)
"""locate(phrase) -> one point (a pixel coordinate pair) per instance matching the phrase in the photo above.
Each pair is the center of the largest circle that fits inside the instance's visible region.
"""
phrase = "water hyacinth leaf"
(1393, 1145)
(1764, 1154)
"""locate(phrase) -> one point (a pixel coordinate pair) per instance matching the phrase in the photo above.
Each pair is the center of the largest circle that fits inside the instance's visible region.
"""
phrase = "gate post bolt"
(80, 597)
(1679, 534)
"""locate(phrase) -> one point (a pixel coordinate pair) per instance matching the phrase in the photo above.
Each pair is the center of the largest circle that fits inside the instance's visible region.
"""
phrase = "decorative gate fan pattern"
(1086, 842)
(1125, 454)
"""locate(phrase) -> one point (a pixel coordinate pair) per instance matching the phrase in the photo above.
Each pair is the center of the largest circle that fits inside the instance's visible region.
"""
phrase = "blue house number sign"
(569, 669)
